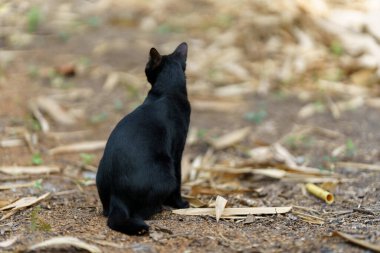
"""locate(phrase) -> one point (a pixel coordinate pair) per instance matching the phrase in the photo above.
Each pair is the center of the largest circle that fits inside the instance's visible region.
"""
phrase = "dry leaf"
(45, 127)
(55, 111)
(25, 202)
(78, 147)
(111, 81)
(220, 204)
(362, 243)
(9, 242)
(261, 155)
(14, 186)
(29, 170)
(310, 109)
(230, 139)
(66, 240)
(21, 203)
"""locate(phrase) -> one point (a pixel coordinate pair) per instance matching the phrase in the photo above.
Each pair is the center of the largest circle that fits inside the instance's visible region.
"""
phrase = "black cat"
(141, 166)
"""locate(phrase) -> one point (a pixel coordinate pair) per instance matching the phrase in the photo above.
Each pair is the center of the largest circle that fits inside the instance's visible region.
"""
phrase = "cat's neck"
(169, 83)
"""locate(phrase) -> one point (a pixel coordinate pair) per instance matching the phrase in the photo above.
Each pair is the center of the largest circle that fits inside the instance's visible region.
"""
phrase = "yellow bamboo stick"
(320, 193)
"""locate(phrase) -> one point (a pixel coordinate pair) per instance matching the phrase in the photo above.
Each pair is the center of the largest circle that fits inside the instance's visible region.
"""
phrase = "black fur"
(141, 166)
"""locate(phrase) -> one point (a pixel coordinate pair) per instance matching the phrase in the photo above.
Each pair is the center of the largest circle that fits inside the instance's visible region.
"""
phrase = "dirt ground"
(73, 208)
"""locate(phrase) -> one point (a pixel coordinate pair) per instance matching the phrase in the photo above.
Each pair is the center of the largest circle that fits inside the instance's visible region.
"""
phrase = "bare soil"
(75, 210)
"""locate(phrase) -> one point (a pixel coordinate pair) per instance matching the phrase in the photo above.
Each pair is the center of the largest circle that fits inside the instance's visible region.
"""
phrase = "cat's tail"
(119, 219)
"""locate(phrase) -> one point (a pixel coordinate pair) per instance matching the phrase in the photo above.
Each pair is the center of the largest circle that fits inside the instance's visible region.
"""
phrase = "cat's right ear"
(154, 57)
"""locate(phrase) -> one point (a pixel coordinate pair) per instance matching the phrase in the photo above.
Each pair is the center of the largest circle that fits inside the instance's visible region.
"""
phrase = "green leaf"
(34, 19)
(256, 117)
(350, 148)
(87, 158)
(37, 159)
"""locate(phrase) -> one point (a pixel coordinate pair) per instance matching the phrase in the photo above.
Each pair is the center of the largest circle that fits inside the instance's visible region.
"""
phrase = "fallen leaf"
(66, 240)
(230, 139)
(25, 202)
(67, 70)
(14, 186)
(220, 204)
(21, 203)
(9, 242)
(55, 111)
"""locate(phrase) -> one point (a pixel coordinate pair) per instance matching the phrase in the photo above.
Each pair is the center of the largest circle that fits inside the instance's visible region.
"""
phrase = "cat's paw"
(177, 203)
(182, 204)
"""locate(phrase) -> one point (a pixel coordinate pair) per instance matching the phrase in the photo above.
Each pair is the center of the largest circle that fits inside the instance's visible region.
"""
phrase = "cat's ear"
(155, 57)
(181, 51)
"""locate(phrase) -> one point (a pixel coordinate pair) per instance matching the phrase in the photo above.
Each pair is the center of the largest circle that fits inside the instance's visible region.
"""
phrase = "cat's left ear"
(155, 57)
(181, 51)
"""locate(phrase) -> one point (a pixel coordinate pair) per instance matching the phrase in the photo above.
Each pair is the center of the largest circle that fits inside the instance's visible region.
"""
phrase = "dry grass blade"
(66, 240)
(362, 166)
(78, 147)
(315, 180)
(362, 243)
(28, 170)
(55, 111)
(283, 154)
(107, 243)
(218, 106)
(234, 211)
(309, 110)
(8, 143)
(111, 81)
(273, 173)
(68, 135)
(220, 204)
(9, 242)
(13, 186)
(230, 139)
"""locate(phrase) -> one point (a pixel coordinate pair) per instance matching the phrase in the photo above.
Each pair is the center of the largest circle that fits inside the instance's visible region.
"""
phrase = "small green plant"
(304, 141)
(98, 118)
(34, 18)
(256, 117)
(37, 159)
(201, 134)
(93, 21)
(34, 124)
(118, 104)
(36, 222)
(350, 148)
(168, 28)
(38, 184)
(33, 71)
(87, 158)
(63, 36)
(336, 48)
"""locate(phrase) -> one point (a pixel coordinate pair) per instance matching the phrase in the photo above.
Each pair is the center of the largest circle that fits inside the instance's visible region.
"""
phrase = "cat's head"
(157, 63)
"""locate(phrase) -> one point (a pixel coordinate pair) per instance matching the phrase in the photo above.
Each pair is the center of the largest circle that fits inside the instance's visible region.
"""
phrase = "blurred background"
(256, 63)
(282, 93)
